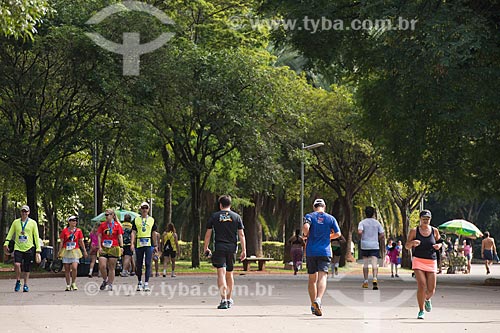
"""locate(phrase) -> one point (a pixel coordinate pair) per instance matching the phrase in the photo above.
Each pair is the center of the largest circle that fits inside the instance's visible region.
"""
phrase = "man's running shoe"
(74, 287)
(26, 288)
(336, 270)
(375, 284)
(139, 286)
(230, 302)
(365, 284)
(103, 285)
(68, 288)
(146, 287)
(317, 308)
(18, 286)
(110, 287)
(421, 315)
(172, 275)
(223, 305)
(428, 305)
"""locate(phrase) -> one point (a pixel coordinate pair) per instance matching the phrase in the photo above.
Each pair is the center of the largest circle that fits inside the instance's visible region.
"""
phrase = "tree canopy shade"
(346, 162)
(206, 104)
(428, 96)
(51, 89)
(18, 18)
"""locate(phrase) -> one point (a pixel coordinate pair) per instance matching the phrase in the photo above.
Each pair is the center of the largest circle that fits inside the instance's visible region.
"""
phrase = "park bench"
(261, 261)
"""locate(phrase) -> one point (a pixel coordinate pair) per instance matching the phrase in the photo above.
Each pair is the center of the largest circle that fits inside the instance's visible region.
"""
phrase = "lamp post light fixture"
(304, 147)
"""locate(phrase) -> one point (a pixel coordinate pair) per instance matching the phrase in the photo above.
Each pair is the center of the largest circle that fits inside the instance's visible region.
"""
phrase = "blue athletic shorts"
(318, 264)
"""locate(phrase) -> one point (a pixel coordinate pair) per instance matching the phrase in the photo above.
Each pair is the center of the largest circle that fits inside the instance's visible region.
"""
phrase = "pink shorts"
(426, 265)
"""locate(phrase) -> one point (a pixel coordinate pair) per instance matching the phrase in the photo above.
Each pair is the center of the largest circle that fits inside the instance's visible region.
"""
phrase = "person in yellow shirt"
(143, 242)
(24, 231)
(170, 246)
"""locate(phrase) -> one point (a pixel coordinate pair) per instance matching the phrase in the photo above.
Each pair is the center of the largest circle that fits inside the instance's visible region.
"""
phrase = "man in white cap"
(24, 232)
(144, 239)
(318, 227)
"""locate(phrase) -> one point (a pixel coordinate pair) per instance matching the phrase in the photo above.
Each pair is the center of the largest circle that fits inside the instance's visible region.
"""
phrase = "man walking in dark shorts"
(227, 226)
(371, 233)
(24, 232)
(317, 228)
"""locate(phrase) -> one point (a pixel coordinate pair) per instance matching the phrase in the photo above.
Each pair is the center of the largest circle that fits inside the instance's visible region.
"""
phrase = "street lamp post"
(304, 147)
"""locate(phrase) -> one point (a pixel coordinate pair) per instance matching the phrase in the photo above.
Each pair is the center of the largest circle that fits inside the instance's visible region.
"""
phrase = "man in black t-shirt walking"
(227, 226)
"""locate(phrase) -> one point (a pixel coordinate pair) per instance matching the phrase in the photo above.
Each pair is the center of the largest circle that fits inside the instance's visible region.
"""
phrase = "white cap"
(72, 217)
(144, 204)
(319, 202)
(26, 208)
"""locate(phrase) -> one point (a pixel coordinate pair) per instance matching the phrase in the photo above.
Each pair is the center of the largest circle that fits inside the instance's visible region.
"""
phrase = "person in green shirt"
(24, 232)
(143, 241)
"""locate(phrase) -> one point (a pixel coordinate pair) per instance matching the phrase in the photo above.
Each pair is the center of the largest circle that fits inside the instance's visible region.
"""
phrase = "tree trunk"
(195, 220)
(3, 221)
(253, 228)
(405, 215)
(31, 195)
(100, 194)
(292, 223)
(346, 229)
(167, 195)
(167, 206)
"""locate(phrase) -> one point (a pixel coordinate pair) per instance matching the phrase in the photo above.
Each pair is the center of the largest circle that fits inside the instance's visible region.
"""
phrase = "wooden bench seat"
(261, 261)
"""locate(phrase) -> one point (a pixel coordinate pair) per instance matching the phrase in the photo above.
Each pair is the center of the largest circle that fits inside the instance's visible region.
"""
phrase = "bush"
(184, 253)
(273, 250)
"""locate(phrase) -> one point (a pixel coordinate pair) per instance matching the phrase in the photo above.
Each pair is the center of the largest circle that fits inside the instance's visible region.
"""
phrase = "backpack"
(126, 236)
(168, 245)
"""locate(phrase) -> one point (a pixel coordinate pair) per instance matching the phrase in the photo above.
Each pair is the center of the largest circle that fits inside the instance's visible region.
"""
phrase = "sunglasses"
(145, 207)
(107, 214)
(73, 220)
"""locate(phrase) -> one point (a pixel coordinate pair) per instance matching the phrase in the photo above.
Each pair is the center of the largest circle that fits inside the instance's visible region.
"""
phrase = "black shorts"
(222, 259)
(169, 253)
(336, 251)
(370, 253)
(318, 264)
(25, 259)
(127, 251)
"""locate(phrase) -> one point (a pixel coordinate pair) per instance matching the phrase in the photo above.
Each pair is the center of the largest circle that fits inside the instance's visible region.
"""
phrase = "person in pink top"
(94, 247)
(393, 254)
(467, 253)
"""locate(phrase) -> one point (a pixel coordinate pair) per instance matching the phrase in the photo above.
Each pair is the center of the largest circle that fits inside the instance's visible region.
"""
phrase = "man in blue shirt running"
(317, 228)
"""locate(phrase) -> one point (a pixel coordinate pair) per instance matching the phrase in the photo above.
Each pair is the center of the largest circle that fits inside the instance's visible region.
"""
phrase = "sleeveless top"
(425, 249)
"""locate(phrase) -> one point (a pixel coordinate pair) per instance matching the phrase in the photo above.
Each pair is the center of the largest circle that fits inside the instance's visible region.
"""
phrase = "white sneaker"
(139, 286)
(146, 287)
(172, 275)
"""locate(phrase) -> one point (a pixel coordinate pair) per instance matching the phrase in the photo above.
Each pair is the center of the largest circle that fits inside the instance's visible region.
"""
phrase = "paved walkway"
(264, 303)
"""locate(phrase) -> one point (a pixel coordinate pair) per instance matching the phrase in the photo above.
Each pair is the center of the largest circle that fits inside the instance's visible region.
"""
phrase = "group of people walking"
(109, 241)
(319, 231)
